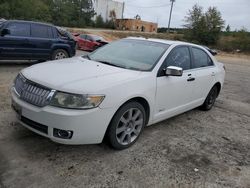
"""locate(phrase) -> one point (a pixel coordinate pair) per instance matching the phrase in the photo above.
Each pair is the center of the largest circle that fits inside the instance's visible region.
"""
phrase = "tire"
(126, 125)
(59, 54)
(210, 100)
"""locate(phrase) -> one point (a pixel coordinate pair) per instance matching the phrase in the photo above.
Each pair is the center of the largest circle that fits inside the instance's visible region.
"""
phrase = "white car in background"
(116, 91)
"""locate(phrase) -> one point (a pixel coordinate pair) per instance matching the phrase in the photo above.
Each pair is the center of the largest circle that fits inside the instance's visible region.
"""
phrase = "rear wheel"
(59, 54)
(210, 100)
(127, 125)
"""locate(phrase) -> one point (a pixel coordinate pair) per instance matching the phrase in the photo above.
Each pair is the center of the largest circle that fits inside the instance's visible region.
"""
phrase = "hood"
(77, 75)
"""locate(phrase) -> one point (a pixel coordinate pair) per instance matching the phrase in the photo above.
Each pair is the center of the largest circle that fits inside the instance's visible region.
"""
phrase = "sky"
(236, 13)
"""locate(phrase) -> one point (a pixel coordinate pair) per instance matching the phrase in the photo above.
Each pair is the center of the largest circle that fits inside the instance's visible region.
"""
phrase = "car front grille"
(31, 92)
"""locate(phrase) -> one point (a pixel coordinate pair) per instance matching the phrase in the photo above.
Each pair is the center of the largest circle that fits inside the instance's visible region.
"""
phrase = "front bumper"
(88, 126)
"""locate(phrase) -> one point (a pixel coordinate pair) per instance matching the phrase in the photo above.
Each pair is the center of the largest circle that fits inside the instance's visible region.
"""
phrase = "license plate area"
(17, 109)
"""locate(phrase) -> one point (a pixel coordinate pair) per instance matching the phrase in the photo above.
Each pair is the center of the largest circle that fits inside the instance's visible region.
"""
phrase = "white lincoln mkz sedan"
(116, 91)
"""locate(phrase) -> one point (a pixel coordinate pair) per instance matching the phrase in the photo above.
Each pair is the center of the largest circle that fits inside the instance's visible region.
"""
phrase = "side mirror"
(5, 32)
(174, 71)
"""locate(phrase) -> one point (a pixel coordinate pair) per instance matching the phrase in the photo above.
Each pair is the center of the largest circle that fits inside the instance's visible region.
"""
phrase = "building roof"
(133, 19)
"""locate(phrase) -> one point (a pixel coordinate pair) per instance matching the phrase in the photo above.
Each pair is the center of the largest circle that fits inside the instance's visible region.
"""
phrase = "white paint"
(167, 96)
(103, 8)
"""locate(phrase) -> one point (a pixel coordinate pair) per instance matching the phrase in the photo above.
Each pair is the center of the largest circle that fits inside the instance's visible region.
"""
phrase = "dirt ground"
(195, 149)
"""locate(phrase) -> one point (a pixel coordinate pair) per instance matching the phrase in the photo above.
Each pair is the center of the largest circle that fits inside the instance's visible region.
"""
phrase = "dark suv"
(34, 41)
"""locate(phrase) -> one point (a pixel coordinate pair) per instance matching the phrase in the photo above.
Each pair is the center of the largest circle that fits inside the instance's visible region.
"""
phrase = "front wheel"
(210, 100)
(126, 125)
(59, 54)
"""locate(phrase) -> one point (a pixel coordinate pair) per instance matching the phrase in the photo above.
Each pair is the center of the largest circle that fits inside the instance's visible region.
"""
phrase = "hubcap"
(129, 126)
(60, 55)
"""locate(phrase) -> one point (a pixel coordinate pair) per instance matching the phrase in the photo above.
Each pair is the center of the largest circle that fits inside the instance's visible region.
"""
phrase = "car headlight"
(76, 101)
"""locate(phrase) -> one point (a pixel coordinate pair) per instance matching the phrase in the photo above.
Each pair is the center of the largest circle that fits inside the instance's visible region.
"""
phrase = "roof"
(133, 19)
(24, 21)
(170, 42)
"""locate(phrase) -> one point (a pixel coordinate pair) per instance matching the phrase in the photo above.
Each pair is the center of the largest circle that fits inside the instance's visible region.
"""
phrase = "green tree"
(25, 10)
(99, 22)
(203, 27)
(228, 28)
(72, 13)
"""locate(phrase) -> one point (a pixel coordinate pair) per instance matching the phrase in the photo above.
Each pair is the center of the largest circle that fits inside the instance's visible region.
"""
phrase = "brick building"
(135, 25)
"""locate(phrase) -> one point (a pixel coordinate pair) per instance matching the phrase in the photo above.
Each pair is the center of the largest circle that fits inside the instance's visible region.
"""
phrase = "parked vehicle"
(89, 42)
(116, 91)
(34, 41)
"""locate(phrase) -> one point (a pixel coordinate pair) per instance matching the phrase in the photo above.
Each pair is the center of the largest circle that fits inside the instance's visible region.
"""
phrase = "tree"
(72, 13)
(99, 22)
(228, 29)
(203, 27)
(25, 10)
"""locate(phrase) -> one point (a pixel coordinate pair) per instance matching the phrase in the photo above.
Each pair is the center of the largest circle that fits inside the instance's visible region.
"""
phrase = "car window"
(179, 57)
(41, 31)
(89, 38)
(64, 34)
(131, 54)
(19, 29)
(83, 36)
(201, 59)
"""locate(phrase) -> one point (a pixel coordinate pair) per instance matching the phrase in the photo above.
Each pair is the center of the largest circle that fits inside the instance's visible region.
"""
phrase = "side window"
(89, 38)
(201, 59)
(41, 31)
(179, 57)
(83, 36)
(19, 29)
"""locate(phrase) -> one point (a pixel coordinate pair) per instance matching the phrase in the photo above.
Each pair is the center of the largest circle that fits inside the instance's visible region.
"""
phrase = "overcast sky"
(236, 13)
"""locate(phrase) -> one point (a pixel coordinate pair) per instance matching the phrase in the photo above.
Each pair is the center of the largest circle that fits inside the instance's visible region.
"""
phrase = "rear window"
(63, 33)
(19, 29)
(41, 31)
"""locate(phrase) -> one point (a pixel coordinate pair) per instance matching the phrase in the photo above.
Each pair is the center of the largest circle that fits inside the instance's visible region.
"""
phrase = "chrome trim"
(32, 92)
(17, 94)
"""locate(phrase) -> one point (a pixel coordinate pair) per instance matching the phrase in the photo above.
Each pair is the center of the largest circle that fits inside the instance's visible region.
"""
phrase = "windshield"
(130, 54)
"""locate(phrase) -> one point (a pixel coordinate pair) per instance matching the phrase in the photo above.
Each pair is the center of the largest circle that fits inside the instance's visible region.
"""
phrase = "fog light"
(65, 134)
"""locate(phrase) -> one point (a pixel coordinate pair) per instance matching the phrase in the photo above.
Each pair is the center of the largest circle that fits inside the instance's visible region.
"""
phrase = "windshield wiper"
(111, 64)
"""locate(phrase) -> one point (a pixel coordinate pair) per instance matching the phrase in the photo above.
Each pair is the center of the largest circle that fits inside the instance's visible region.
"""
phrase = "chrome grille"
(31, 92)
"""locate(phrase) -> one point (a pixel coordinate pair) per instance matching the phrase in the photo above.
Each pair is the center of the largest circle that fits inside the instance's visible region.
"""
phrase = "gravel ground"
(195, 149)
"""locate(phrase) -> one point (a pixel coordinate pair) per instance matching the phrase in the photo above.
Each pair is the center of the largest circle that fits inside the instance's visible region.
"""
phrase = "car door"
(82, 42)
(205, 71)
(15, 44)
(41, 41)
(89, 42)
(174, 94)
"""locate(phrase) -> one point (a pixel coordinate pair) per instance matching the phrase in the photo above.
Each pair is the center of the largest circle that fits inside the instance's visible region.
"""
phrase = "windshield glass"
(64, 33)
(131, 54)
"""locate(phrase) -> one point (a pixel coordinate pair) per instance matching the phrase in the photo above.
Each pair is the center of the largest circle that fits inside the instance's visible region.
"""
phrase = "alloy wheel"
(129, 126)
(60, 55)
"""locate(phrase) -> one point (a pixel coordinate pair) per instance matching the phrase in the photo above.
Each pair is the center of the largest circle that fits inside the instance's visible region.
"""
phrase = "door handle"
(213, 74)
(190, 79)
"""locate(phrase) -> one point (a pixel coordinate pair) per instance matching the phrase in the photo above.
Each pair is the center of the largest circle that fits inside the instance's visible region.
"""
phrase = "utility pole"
(172, 3)
(123, 6)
